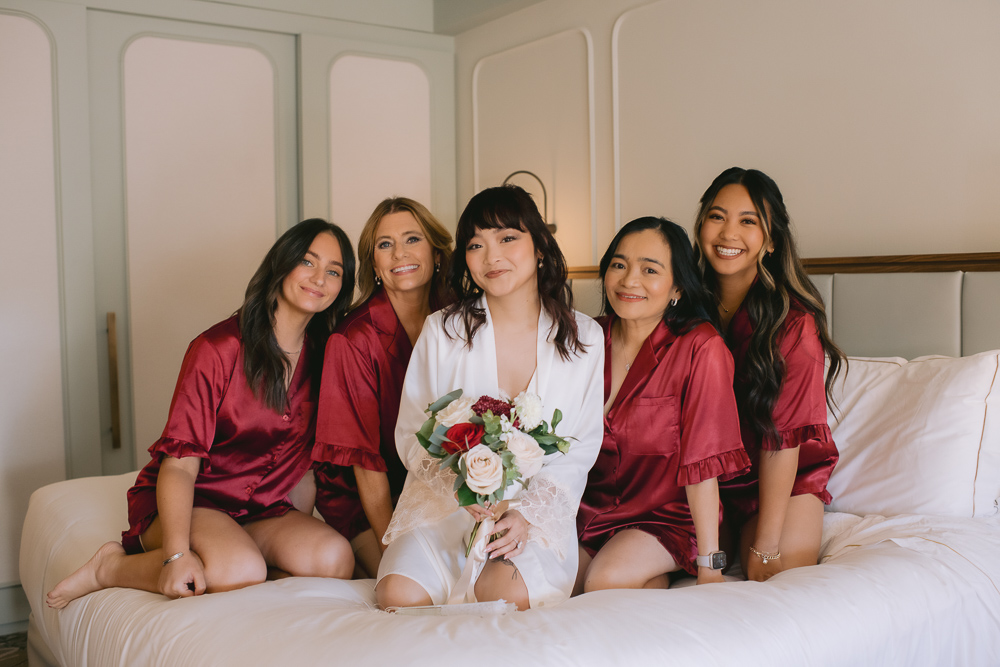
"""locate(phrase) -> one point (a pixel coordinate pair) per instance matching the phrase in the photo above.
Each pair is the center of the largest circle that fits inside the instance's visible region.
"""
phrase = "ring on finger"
(520, 544)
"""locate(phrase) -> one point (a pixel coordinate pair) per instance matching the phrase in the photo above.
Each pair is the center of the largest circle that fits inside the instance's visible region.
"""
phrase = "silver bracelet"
(173, 558)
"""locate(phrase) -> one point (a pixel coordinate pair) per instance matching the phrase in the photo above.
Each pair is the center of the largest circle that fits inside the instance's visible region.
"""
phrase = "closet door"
(194, 168)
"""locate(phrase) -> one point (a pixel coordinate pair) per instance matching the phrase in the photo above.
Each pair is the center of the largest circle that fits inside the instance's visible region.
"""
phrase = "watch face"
(718, 560)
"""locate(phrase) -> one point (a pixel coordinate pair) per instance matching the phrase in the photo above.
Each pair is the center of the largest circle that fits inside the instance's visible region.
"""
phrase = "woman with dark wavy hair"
(512, 329)
(775, 325)
(671, 429)
(211, 511)
(403, 259)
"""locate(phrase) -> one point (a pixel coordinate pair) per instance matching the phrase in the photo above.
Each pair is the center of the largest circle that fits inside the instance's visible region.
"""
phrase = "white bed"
(909, 573)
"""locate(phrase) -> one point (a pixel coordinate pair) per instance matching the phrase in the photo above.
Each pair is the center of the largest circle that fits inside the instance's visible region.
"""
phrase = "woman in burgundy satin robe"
(775, 325)
(671, 428)
(403, 258)
(211, 511)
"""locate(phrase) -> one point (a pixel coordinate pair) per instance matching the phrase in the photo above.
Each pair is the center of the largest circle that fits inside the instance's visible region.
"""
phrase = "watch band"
(715, 560)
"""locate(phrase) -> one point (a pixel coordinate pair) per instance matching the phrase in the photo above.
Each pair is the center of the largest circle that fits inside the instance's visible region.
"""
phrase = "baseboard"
(14, 609)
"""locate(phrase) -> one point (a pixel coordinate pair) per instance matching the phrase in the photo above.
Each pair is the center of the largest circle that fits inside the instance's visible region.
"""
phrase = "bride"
(511, 329)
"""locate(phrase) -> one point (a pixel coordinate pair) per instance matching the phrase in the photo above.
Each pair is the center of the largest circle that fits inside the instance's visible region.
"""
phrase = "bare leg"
(581, 572)
(302, 546)
(395, 590)
(367, 555)
(630, 559)
(801, 534)
(303, 496)
(227, 555)
(501, 580)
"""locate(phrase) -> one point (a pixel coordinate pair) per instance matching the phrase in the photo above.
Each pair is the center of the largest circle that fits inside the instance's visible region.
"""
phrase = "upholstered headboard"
(893, 305)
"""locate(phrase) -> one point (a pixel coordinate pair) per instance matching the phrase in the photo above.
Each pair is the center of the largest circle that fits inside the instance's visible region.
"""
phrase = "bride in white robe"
(501, 236)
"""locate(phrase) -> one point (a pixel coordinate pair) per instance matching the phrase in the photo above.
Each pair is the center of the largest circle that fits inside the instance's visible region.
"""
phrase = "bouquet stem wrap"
(465, 589)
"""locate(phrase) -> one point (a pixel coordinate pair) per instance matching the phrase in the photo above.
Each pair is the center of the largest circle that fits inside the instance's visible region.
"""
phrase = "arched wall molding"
(591, 120)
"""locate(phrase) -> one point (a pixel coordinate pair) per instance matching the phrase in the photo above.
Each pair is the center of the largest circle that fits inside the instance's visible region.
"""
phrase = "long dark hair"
(695, 304)
(780, 280)
(264, 364)
(510, 207)
(434, 231)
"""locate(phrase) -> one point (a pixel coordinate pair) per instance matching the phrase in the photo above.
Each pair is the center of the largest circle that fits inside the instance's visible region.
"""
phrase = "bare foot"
(87, 579)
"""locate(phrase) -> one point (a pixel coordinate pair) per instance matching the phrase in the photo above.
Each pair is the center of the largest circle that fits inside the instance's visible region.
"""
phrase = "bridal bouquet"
(489, 443)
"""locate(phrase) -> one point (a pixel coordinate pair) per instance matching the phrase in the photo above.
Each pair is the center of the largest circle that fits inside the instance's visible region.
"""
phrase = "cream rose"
(456, 412)
(529, 410)
(484, 470)
(527, 454)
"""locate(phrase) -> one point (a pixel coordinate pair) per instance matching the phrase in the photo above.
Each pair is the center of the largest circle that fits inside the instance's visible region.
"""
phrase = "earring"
(673, 302)
(378, 281)
(540, 263)
(437, 266)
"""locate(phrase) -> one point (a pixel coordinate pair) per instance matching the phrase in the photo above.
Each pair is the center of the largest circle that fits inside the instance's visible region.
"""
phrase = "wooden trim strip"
(969, 261)
(936, 263)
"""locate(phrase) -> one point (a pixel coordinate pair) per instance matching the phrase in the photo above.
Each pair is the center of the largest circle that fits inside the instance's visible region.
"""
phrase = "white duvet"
(906, 590)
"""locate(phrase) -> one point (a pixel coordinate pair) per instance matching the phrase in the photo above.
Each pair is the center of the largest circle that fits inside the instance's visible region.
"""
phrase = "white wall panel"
(380, 136)
(201, 200)
(877, 120)
(31, 398)
(533, 110)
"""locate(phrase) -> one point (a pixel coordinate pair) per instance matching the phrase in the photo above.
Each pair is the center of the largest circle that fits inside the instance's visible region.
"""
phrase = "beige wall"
(877, 119)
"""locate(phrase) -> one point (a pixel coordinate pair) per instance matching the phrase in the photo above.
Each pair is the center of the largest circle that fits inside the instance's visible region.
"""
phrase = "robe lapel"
(652, 350)
(391, 333)
(483, 355)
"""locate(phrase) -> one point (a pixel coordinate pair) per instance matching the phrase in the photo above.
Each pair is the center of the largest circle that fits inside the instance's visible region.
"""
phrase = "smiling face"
(732, 235)
(639, 283)
(503, 262)
(403, 257)
(315, 282)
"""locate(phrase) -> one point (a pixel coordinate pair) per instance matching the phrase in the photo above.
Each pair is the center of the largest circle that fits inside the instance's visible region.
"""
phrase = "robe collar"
(391, 334)
(653, 349)
(545, 351)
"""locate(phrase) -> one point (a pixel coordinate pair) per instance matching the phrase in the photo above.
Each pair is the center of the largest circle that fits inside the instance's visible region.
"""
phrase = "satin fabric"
(363, 371)
(252, 456)
(433, 553)
(673, 423)
(799, 413)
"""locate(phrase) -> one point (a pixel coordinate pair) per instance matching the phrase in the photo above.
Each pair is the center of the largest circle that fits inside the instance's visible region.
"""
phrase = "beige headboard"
(893, 305)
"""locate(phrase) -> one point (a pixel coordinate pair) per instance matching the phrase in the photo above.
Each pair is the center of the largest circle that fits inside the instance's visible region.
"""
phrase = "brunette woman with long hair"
(511, 329)
(671, 429)
(775, 324)
(403, 259)
(211, 511)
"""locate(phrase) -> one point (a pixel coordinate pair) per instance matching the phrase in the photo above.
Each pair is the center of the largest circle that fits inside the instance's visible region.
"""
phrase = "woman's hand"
(707, 575)
(477, 512)
(183, 577)
(513, 529)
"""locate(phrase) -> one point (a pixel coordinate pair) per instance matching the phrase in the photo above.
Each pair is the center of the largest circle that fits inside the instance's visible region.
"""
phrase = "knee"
(395, 590)
(240, 571)
(330, 557)
(608, 578)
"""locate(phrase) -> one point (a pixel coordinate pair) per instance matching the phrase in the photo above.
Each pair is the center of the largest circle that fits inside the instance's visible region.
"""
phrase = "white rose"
(456, 412)
(529, 410)
(484, 470)
(526, 451)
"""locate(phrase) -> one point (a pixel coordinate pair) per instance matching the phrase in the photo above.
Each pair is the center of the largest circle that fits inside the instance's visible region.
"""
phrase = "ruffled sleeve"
(800, 411)
(711, 446)
(203, 380)
(347, 428)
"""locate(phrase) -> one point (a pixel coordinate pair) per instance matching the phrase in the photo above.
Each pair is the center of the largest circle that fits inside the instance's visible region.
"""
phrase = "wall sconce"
(545, 196)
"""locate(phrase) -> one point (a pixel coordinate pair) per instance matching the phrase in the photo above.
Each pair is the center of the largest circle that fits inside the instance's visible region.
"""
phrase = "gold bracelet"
(173, 558)
(765, 556)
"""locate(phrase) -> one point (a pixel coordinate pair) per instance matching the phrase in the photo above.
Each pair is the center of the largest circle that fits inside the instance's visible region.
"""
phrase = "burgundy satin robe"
(673, 423)
(252, 456)
(799, 414)
(363, 373)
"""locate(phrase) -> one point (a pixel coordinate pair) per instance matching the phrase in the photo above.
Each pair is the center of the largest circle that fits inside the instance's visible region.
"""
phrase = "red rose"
(463, 437)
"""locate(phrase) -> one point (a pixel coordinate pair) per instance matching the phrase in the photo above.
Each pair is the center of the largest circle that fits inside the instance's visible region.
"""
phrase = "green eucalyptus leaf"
(467, 496)
(444, 401)
(556, 418)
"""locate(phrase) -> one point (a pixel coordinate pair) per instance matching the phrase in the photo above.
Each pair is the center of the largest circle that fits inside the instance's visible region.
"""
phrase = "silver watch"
(715, 560)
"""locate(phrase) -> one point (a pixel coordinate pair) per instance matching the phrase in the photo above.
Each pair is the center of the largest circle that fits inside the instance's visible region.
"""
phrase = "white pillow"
(918, 437)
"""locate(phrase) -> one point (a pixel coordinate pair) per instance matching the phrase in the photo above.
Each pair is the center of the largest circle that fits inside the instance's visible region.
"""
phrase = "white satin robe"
(428, 531)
